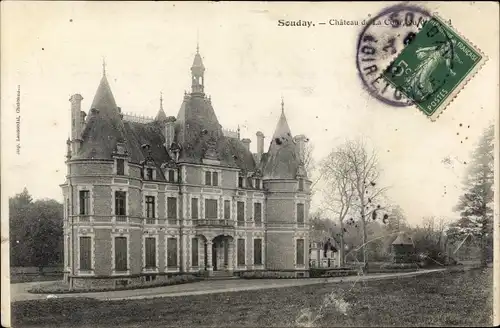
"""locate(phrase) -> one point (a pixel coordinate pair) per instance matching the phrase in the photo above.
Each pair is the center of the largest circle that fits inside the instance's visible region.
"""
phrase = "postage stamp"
(433, 68)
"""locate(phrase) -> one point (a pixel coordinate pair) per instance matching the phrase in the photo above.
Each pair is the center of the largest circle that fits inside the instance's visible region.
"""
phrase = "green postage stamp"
(433, 68)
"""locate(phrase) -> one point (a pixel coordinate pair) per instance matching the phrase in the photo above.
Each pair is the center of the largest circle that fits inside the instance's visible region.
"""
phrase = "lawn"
(438, 299)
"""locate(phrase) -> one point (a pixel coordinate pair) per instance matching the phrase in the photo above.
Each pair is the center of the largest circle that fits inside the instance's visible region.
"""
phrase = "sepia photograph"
(249, 164)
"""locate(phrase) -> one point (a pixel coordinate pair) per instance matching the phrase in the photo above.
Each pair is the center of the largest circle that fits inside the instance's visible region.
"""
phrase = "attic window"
(301, 184)
(240, 181)
(211, 178)
(120, 167)
(149, 174)
(170, 175)
(257, 184)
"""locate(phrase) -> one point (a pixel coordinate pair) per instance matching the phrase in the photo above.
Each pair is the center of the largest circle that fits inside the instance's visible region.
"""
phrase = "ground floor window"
(150, 252)
(241, 252)
(257, 251)
(300, 252)
(85, 253)
(121, 257)
(172, 252)
(194, 252)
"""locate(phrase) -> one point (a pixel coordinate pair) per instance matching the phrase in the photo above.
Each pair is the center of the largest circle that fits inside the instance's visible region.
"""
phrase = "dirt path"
(19, 292)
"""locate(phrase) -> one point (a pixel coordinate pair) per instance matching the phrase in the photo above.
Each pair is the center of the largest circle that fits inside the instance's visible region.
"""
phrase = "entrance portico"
(219, 254)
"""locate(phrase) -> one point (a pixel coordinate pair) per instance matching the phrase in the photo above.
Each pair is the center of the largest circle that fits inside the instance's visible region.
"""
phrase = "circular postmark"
(380, 42)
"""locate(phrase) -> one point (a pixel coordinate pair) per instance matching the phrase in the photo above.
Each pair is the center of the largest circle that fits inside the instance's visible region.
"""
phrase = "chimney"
(260, 145)
(169, 132)
(301, 140)
(76, 121)
(246, 142)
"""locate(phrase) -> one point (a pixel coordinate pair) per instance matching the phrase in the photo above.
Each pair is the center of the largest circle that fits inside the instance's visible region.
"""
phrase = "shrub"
(64, 289)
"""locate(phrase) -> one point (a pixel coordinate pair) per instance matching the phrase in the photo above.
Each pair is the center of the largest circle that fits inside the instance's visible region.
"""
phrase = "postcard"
(292, 164)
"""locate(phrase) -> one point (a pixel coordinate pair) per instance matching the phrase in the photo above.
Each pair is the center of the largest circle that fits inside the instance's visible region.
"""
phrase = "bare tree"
(309, 163)
(365, 175)
(338, 191)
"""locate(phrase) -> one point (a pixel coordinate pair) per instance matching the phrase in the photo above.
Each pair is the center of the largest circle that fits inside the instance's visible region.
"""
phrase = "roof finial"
(161, 100)
(103, 66)
(282, 105)
(197, 41)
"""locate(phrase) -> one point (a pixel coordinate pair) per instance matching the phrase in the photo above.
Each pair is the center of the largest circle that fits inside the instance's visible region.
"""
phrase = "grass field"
(440, 299)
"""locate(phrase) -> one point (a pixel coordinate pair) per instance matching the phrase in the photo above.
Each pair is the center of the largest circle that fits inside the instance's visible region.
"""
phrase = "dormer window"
(257, 184)
(120, 167)
(170, 175)
(301, 184)
(149, 174)
(211, 178)
(241, 181)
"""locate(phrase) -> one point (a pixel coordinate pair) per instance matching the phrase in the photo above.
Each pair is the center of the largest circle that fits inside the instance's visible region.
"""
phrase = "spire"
(282, 161)
(161, 116)
(197, 72)
(197, 41)
(103, 66)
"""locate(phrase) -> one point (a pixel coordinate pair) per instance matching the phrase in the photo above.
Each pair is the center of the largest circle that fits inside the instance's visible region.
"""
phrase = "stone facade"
(140, 196)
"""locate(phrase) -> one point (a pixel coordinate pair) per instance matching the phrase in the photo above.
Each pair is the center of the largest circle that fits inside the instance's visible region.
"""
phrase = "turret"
(197, 73)
(246, 142)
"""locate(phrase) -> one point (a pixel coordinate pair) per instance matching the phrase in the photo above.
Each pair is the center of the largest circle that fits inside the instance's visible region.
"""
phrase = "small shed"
(403, 249)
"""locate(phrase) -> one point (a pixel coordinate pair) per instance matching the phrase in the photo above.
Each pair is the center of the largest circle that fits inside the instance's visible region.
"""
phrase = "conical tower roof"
(282, 160)
(104, 127)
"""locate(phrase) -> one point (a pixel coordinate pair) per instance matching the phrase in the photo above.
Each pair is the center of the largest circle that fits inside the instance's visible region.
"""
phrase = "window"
(149, 174)
(68, 250)
(120, 203)
(300, 214)
(67, 208)
(172, 210)
(150, 209)
(257, 184)
(84, 202)
(194, 252)
(194, 208)
(211, 209)
(257, 209)
(172, 252)
(240, 181)
(120, 167)
(227, 210)
(171, 176)
(300, 252)
(208, 178)
(121, 254)
(85, 253)
(241, 252)
(240, 206)
(301, 184)
(250, 183)
(257, 251)
(215, 179)
(150, 249)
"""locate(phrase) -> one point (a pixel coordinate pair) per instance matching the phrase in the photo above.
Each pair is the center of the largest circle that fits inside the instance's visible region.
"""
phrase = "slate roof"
(197, 131)
(105, 128)
(282, 160)
(197, 126)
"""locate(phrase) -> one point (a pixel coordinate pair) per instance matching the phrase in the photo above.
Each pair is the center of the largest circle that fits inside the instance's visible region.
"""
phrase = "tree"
(476, 204)
(36, 235)
(365, 176)
(339, 190)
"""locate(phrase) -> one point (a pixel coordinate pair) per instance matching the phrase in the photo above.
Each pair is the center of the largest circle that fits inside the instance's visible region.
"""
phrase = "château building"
(148, 198)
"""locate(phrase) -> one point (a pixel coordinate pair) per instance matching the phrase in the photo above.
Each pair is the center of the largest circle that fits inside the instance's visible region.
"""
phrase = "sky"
(55, 49)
